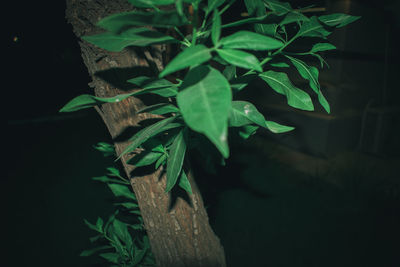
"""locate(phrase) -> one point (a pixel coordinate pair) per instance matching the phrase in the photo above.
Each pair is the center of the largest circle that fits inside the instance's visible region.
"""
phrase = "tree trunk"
(178, 229)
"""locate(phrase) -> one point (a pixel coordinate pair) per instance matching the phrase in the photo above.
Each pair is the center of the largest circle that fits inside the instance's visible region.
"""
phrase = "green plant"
(121, 243)
(199, 85)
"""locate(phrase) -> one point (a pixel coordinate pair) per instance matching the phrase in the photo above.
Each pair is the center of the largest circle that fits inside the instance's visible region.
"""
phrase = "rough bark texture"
(178, 229)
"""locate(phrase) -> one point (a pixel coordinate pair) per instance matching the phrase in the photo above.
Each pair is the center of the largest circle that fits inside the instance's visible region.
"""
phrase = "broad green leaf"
(205, 103)
(122, 21)
(191, 56)
(278, 7)
(216, 28)
(111, 257)
(280, 83)
(318, 47)
(87, 101)
(175, 160)
(150, 3)
(240, 59)
(247, 130)
(138, 256)
(161, 91)
(255, 7)
(115, 42)
(184, 182)
(312, 28)
(121, 191)
(159, 109)
(293, 16)
(310, 73)
(144, 158)
(106, 179)
(179, 7)
(89, 252)
(244, 113)
(337, 20)
(121, 230)
(144, 134)
(278, 128)
(251, 41)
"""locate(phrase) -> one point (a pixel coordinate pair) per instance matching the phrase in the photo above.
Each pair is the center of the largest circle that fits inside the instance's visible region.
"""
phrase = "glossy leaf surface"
(87, 101)
(279, 81)
(251, 41)
(184, 182)
(338, 20)
(205, 103)
(240, 59)
(216, 28)
(310, 73)
(244, 113)
(175, 160)
(191, 56)
(159, 109)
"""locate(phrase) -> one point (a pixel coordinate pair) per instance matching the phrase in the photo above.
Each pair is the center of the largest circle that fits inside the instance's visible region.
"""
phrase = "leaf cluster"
(200, 83)
(118, 242)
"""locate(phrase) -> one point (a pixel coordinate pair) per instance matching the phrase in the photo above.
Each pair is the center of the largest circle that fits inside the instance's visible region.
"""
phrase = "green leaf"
(122, 21)
(105, 148)
(278, 128)
(161, 160)
(191, 56)
(159, 109)
(139, 255)
(278, 7)
(251, 41)
(144, 134)
(310, 73)
(280, 65)
(244, 113)
(175, 159)
(229, 72)
(121, 191)
(92, 226)
(99, 223)
(121, 230)
(114, 172)
(318, 47)
(157, 86)
(205, 103)
(184, 182)
(240, 59)
(111, 257)
(144, 158)
(312, 28)
(245, 21)
(338, 20)
(87, 101)
(89, 252)
(133, 37)
(247, 130)
(216, 28)
(280, 83)
(293, 16)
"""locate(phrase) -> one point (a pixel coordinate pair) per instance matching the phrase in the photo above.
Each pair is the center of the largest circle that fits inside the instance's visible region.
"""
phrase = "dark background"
(326, 194)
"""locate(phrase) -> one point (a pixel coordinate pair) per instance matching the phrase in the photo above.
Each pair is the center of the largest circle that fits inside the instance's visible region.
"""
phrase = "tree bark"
(178, 229)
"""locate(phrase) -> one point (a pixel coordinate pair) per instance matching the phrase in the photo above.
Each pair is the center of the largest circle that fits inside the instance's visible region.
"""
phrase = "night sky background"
(266, 213)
